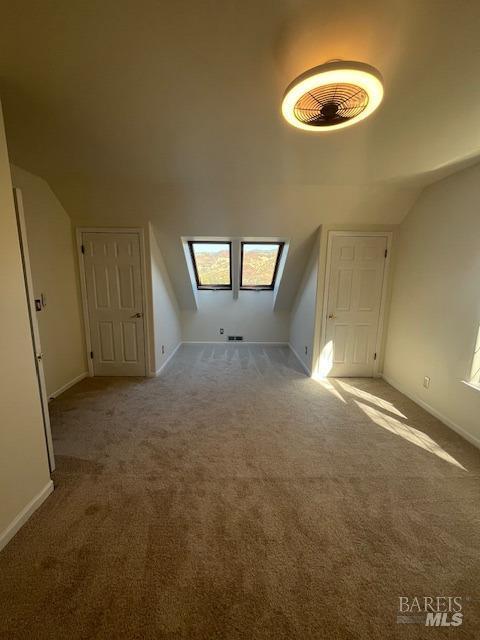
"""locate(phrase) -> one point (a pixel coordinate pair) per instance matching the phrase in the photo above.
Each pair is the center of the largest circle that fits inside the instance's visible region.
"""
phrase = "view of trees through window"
(259, 263)
(212, 261)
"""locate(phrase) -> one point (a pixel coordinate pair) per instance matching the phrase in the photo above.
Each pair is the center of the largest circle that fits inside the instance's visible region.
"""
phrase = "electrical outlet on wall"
(426, 382)
(221, 332)
(163, 349)
(306, 350)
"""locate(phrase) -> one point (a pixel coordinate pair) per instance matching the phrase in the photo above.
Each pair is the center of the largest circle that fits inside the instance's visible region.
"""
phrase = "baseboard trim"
(440, 416)
(7, 534)
(304, 366)
(240, 342)
(66, 386)
(159, 371)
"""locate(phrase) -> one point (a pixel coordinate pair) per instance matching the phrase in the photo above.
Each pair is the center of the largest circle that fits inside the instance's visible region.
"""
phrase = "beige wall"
(302, 320)
(54, 273)
(251, 315)
(435, 309)
(23, 456)
(166, 322)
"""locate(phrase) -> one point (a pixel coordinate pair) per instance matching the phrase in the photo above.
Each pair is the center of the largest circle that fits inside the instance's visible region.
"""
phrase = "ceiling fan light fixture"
(332, 96)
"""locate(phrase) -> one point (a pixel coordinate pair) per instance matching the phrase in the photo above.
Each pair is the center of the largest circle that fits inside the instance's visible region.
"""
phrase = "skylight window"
(259, 264)
(212, 264)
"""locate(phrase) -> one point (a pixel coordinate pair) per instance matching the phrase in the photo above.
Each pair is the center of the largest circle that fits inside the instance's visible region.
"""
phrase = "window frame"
(211, 287)
(261, 287)
(474, 377)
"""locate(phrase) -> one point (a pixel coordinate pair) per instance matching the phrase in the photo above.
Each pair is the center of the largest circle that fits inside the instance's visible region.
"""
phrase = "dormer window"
(259, 265)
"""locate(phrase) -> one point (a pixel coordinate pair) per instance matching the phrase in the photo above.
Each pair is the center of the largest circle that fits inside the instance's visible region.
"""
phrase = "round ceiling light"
(333, 96)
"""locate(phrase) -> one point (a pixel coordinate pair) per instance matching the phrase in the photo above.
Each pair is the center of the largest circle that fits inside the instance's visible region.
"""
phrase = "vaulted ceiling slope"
(170, 112)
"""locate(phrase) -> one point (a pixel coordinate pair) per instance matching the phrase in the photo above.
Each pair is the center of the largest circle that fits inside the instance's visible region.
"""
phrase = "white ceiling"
(170, 112)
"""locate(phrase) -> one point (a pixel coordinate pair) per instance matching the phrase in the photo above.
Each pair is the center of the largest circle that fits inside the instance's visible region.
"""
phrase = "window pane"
(213, 263)
(259, 262)
(475, 375)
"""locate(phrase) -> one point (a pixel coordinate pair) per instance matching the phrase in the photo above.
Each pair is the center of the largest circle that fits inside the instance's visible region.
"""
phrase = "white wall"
(435, 308)
(24, 472)
(54, 273)
(250, 316)
(166, 321)
(302, 320)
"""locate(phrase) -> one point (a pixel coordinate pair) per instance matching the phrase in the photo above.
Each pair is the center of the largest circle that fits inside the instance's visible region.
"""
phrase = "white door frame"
(381, 316)
(36, 343)
(83, 288)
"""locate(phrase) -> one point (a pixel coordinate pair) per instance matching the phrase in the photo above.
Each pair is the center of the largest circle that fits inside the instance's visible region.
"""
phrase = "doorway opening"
(37, 347)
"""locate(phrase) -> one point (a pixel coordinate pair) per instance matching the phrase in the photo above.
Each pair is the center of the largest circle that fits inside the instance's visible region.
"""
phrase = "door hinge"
(82, 249)
(374, 356)
(91, 355)
(386, 253)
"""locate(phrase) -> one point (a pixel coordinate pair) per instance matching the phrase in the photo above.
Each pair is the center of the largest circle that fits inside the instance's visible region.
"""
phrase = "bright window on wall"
(212, 264)
(259, 264)
(475, 373)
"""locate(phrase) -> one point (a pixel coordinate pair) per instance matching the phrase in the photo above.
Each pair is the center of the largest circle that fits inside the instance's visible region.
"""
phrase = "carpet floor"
(234, 498)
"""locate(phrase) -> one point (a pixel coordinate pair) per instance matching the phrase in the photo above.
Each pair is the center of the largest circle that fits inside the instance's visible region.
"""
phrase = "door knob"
(331, 316)
(137, 315)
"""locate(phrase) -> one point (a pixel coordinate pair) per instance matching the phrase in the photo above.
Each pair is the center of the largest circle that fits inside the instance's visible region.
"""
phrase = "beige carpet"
(235, 498)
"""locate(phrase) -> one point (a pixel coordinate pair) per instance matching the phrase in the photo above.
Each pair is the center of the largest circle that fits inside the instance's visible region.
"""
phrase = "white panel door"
(357, 266)
(113, 278)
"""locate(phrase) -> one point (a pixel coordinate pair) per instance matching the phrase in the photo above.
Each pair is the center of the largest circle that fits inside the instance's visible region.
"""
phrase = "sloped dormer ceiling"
(170, 112)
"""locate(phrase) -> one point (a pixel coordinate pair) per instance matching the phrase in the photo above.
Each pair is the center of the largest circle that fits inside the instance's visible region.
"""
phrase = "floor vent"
(238, 338)
(231, 338)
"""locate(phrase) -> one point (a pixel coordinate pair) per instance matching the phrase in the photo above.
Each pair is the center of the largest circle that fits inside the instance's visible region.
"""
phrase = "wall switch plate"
(426, 382)
(306, 350)
(221, 332)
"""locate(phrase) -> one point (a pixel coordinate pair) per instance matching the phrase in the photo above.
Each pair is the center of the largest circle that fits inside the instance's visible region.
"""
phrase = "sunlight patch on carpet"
(410, 434)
